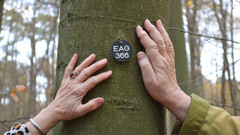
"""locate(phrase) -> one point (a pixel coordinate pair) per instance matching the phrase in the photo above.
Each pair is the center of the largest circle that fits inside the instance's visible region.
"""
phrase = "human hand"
(68, 104)
(158, 68)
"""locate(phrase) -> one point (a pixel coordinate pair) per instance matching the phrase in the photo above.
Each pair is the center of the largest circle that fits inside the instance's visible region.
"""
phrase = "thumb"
(146, 68)
(90, 106)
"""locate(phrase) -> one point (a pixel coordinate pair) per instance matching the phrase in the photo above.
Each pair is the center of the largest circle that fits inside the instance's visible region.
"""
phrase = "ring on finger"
(167, 43)
(73, 75)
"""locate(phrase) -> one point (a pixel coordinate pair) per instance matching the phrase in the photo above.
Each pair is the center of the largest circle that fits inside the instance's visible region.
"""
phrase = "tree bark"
(1, 13)
(91, 27)
(181, 62)
(178, 41)
(32, 108)
(195, 51)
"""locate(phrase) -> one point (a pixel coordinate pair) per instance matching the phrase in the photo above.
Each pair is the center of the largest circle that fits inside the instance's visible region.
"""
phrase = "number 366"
(122, 55)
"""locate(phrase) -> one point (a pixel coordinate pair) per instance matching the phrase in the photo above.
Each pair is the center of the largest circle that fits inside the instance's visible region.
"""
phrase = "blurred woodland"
(28, 50)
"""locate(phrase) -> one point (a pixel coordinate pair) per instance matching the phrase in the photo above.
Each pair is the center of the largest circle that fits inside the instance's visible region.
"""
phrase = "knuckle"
(160, 43)
(143, 34)
(93, 106)
(67, 69)
(152, 28)
(153, 46)
(92, 81)
(77, 92)
(168, 42)
(85, 72)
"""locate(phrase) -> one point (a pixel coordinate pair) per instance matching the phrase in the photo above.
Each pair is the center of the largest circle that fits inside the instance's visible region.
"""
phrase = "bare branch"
(233, 63)
(201, 35)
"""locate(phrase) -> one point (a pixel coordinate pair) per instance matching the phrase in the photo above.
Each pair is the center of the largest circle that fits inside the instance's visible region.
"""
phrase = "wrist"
(179, 103)
(45, 120)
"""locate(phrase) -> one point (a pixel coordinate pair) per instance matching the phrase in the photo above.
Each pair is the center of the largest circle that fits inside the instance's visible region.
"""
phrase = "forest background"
(28, 55)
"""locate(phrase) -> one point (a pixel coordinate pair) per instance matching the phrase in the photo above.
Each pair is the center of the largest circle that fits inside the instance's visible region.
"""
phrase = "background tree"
(16, 34)
(181, 63)
(92, 27)
(192, 15)
(221, 17)
(1, 13)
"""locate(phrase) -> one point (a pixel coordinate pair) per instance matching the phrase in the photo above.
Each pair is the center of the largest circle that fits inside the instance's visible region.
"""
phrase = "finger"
(93, 81)
(156, 36)
(169, 46)
(70, 66)
(146, 68)
(89, 60)
(149, 45)
(87, 72)
(90, 106)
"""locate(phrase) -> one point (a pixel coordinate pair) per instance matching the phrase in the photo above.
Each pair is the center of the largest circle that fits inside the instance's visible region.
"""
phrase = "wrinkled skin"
(68, 104)
(158, 68)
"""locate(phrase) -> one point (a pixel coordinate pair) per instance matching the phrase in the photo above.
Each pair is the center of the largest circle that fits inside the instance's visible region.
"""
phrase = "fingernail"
(74, 56)
(100, 101)
(140, 56)
(139, 27)
(148, 22)
(104, 60)
(160, 22)
(92, 55)
(110, 71)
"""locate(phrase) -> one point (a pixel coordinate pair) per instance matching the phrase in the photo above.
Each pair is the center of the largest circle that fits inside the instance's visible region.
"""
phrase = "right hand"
(158, 68)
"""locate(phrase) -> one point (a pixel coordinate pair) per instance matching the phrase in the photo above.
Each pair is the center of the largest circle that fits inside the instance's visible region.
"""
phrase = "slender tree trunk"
(223, 84)
(92, 27)
(235, 86)
(178, 41)
(33, 71)
(50, 72)
(181, 62)
(222, 22)
(195, 52)
(1, 13)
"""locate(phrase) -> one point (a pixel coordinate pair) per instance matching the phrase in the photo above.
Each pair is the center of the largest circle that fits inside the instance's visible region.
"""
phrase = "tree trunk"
(222, 22)
(178, 41)
(92, 27)
(181, 63)
(1, 13)
(33, 69)
(195, 51)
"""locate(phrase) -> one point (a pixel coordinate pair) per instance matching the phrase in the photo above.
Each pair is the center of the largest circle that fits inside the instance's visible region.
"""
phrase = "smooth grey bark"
(91, 27)
(181, 63)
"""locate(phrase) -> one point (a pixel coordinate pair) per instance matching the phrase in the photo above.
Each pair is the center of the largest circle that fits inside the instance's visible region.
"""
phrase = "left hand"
(68, 102)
